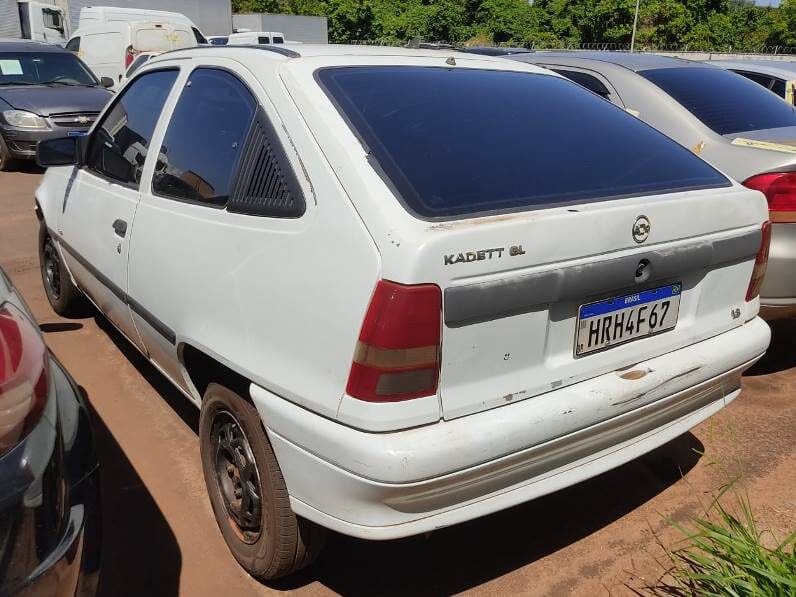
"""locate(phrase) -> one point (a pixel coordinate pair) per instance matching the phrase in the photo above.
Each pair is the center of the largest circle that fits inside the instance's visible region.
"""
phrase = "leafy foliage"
(737, 25)
(725, 554)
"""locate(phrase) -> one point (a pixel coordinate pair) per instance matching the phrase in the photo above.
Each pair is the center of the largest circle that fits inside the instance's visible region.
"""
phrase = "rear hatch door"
(525, 197)
(535, 302)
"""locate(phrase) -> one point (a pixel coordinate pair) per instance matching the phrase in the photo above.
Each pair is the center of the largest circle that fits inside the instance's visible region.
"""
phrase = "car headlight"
(25, 120)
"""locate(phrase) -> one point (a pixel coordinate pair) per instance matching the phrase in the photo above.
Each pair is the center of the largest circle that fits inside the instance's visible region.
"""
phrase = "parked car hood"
(45, 100)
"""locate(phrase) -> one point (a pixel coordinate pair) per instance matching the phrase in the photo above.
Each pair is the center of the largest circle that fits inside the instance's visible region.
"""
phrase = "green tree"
(699, 24)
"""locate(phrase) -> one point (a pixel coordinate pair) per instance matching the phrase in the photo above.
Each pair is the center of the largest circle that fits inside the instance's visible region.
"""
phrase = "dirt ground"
(596, 538)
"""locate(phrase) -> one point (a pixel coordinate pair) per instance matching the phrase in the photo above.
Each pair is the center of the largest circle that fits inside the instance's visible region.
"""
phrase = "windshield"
(43, 67)
(724, 101)
(461, 141)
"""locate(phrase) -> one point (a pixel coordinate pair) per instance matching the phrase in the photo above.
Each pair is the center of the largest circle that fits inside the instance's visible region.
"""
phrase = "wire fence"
(602, 47)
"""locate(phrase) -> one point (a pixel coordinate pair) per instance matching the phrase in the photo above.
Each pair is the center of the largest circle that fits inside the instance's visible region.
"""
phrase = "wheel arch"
(202, 368)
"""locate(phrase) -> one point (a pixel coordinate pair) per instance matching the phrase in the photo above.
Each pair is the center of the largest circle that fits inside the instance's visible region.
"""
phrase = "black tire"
(269, 541)
(7, 161)
(65, 298)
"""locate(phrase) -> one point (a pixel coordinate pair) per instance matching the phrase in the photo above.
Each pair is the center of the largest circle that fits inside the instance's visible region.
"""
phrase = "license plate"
(75, 133)
(614, 321)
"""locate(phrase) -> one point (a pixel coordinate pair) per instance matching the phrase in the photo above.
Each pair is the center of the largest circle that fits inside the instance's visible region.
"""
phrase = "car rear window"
(725, 101)
(456, 142)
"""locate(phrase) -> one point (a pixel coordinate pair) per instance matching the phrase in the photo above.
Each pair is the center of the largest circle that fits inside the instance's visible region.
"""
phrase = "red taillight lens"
(397, 356)
(129, 56)
(780, 191)
(761, 263)
(23, 377)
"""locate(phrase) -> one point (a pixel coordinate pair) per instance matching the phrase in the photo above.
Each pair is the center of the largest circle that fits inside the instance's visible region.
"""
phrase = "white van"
(99, 15)
(253, 38)
(110, 48)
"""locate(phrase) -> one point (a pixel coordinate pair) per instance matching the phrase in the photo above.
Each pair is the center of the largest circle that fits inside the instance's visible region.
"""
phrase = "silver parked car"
(778, 76)
(725, 118)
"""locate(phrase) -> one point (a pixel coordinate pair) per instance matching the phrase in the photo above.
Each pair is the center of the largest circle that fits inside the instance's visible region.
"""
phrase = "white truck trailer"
(39, 21)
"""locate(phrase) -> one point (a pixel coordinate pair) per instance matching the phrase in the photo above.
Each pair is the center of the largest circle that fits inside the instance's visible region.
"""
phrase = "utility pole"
(635, 24)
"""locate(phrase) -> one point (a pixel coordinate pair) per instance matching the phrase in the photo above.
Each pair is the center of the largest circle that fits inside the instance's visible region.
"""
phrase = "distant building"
(308, 30)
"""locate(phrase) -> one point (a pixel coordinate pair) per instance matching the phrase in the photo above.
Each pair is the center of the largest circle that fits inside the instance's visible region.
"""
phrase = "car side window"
(200, 39)
(763, 80)
(119, 144)
(205, 138)
(588, 81)
(263, 40)
(73, 45)
(779, 87)
(137, 63)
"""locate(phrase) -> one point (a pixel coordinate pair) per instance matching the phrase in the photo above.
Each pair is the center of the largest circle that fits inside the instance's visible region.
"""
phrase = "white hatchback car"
(406, 288)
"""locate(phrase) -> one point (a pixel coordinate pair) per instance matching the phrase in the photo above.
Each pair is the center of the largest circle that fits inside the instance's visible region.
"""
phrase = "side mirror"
(106, 82)
(63, 151)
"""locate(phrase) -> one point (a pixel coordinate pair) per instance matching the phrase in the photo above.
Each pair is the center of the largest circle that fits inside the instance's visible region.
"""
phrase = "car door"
(183, 239)
(98, 210)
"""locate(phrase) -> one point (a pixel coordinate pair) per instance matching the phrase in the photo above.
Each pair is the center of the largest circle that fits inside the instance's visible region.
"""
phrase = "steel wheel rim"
(237, 477)
(52, 269)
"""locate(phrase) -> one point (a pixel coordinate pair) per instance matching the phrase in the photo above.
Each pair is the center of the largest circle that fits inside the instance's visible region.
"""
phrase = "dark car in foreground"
(49, 477)
(45, 92)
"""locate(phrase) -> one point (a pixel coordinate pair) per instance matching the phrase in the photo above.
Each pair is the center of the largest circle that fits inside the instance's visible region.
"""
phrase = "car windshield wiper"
(68, 84)
(18, 83)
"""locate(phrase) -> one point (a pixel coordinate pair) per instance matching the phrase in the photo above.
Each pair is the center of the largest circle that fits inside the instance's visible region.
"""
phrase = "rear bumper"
(49, 502)
(778, 294)
(772, 309)
(391, 485)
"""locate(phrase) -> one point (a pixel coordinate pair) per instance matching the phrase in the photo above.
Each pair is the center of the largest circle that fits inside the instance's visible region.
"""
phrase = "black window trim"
(492, 212)
(259, 111)
(745, 73)
(101, 118)
(614, 96)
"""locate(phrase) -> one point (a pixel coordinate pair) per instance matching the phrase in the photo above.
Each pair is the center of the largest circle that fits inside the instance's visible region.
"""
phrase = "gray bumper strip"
(485, 301)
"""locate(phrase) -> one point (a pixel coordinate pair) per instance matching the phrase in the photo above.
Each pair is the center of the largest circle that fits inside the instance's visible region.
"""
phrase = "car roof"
(495, 50)
(288, 51)
(26, 45)
(775, 68)
(634, 61)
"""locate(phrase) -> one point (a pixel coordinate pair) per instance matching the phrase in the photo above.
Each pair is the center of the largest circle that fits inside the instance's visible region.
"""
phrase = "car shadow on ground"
(30, 167)
(185, 409)
(140, 554)
(60, 326)
(458, 558)
(781, 353)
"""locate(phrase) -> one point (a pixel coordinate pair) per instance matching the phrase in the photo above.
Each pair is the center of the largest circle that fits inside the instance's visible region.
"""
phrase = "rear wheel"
(7, 161)
(64, 297)
(248, 492)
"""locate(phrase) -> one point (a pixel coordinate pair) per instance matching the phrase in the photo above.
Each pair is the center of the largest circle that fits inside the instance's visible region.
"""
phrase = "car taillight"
(761, 263)
(780, 191)
(129, 56)
(397, 356)
(23, 377)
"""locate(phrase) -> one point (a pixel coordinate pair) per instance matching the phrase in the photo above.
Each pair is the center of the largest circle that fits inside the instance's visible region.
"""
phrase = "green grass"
(724, 554)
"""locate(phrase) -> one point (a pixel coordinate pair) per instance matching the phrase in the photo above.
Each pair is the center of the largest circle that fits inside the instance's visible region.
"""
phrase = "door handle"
(120, 228)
